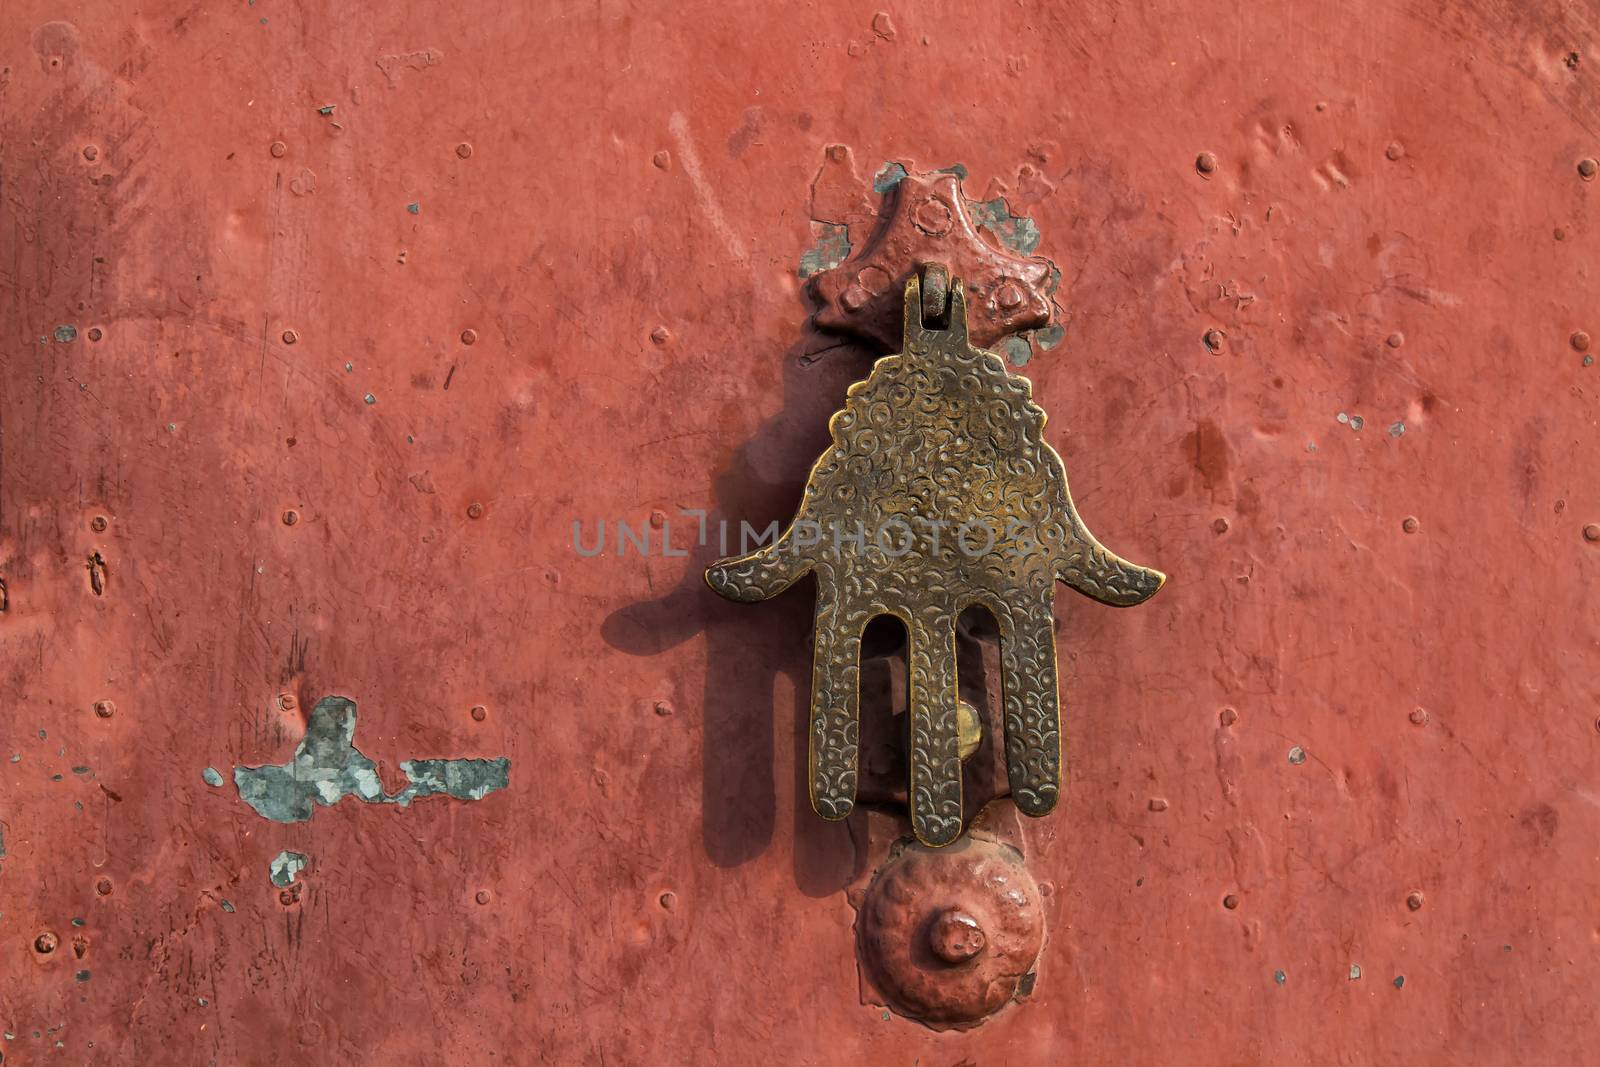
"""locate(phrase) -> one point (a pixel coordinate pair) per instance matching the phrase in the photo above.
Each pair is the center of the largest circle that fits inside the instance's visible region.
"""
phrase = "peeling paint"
(887, 178)
(212, 776)
(1049, 337)
(1017, 233)
(1016, 350)
(832, 247)
(285, 865)
(327, 767)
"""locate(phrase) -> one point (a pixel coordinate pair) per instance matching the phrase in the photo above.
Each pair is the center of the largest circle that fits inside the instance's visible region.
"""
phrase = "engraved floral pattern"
(939, 492)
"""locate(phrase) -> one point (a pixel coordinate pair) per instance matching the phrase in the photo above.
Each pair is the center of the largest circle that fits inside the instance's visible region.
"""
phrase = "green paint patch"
(212, 776)
(831, 249)
(414, 207)
(66, 334)
(1018, 233)
(82, 976)
(888, 177)
(227, 906)
(285, 865)
(327, 767)
(1016, 350)
(1049, 337)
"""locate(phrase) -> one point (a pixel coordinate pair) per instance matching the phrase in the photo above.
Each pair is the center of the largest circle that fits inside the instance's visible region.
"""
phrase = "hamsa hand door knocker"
(939, 492)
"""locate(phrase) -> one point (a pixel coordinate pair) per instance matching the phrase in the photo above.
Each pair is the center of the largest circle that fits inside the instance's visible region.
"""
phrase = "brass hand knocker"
(939, 493)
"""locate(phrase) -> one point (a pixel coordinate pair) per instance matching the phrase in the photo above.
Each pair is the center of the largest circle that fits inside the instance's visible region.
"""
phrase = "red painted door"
(332, 335)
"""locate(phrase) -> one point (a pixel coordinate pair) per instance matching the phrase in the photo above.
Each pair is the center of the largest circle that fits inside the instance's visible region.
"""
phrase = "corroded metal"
(928, 224)
(938, 493)
(949, 937)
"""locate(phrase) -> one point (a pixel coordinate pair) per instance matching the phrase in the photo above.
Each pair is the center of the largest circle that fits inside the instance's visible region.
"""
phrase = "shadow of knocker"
(743, 662)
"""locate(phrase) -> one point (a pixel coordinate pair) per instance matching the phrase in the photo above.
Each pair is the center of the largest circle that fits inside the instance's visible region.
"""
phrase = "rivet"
(1395, 340)
(98, 524)
(104, 709)
(1587, 168)
(463, 150)
(469, 337)
(474, 510)
(1394, 151)
(1158, 803)
(854, 298)
(45, 943)
(479, 713)
(103, 887)
(1580, 340)
(1230, 902)
(91, 153)
(1228, 717)
(933, 218)
(1205, 163)
(287, 702)
(1414, 900)
(482, 896)
(1009, 297)
(1220, 526)
(1409, 524)
(1297, 755)
(662, 159)
(291, 517)
(286, 897)
(660, 335)
(290, 337)
(277, 149)
(95, 334)
(1213, 339)
(668, 900)
(1418, 716)
(663, 709)
(1591, 532)
(955, 936)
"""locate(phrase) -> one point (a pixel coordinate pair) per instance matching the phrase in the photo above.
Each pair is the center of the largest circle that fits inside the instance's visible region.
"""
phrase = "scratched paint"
(327, 767)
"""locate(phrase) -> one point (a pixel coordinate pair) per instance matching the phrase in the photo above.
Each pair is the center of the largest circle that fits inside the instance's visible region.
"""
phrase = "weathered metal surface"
(927, 223)
(937, 493)
(950, 937)
(613, 206)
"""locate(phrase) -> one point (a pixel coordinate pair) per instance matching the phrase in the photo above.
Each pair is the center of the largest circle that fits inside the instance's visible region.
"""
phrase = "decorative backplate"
(938, 493)
(928, 222)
